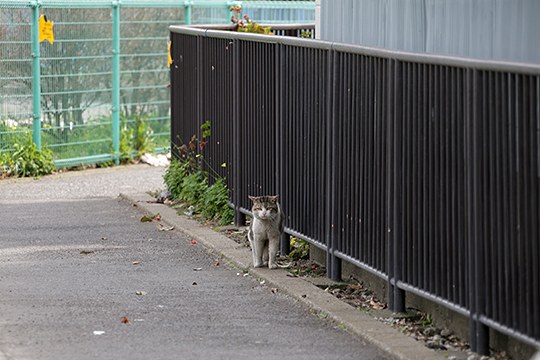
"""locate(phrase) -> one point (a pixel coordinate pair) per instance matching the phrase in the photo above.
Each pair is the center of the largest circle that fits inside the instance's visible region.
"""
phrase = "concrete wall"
(486, 29)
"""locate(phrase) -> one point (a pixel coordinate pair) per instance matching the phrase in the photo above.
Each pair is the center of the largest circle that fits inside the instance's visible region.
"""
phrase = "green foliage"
(136, 138)
(206, 130)
(174, 177)
(214, 203)
(126, 150)
(188, 182)
(143, 136)
(193, 187)
(300, 249)
(26, 160)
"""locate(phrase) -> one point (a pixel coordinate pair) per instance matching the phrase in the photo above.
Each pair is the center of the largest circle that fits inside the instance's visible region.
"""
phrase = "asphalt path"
(81, 277)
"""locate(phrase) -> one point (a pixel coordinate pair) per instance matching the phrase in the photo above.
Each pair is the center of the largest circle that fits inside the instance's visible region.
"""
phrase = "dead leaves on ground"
(150, 218)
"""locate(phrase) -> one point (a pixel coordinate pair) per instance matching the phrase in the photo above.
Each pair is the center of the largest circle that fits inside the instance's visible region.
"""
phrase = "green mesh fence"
(15, 77)
(76, 84)
(76, 114)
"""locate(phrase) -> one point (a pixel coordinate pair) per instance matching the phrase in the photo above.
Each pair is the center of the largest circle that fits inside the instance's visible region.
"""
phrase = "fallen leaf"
(103, 238)
(87, 252)
(136, 262)
(140, 293)
(99, 332)
(147, 218)
(165, 228)
(376, 306)
(262, 282)
(138, 320)
(274, 290)
(124, 320)
(216, 263)
(193, 241)
(194, 283)
(197, 269)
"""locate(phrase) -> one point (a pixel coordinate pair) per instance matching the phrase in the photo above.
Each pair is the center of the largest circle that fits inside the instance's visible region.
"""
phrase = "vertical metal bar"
(116, 80)
(187, 12)
(331, 266)
(397, 255)
(36, 77)
(335, 270)
(280, 64)
(479, 332)
(239, 217)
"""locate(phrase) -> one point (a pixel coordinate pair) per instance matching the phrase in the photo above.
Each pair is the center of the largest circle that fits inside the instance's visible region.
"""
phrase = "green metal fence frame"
(116, 6)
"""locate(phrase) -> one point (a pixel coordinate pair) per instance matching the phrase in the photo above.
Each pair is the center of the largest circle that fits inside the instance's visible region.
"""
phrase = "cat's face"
(264, 207)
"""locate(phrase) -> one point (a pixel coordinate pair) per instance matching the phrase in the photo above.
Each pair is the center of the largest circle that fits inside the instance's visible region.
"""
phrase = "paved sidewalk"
(75, 260)
(91, 183)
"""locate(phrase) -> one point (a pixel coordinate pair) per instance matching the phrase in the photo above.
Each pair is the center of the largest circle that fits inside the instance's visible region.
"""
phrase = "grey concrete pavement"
(73, 261)
(91, 183)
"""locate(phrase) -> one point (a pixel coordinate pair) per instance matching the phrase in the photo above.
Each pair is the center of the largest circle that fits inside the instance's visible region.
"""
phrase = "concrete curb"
(386, 338)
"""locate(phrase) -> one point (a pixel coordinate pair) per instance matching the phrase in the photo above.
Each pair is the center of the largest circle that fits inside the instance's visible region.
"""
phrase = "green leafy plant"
(214, 203)
(143, 136)
(193, 187)
(126, 136)
(27, 160)
(188, 181)
(306, 34)
(245, 24)
(174, 177)
(299, 249)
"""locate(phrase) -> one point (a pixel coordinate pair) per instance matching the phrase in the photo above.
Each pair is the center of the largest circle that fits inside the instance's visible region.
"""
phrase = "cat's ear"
(253, 198)
(274, 198)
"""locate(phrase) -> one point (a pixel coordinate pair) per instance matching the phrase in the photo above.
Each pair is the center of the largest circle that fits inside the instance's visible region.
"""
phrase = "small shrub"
(126, 136)
(193, 187)
(300, 249)
(188, 181)
(27, 160)
(214, 203)
(143, 136)
(245, 24)
(174, 177)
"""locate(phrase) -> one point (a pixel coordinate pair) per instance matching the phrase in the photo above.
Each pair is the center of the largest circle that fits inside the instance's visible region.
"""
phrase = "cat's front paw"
(259, 265)
(272, 266)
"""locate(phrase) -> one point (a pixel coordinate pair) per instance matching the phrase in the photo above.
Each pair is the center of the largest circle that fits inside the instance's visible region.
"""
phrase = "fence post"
(36, 77)
(239, 217)
(116, 80)
(285, 241)
(479, 333)
(187, 12)
(396, 296)
(333, 263)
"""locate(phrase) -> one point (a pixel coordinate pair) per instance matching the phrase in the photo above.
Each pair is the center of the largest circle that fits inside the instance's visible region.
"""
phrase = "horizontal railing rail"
(423, 170)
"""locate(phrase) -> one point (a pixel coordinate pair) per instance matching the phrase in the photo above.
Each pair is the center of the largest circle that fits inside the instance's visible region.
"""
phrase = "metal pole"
(116, 80)
(36, 74)
(187, 12)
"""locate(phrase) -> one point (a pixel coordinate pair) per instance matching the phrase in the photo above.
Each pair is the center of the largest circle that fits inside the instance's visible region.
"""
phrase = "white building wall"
(486, 29)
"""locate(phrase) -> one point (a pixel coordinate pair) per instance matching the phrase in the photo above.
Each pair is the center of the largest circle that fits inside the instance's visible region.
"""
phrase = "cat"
(265, 230)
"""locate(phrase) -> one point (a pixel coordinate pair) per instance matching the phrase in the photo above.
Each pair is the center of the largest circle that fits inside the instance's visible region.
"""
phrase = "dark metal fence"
(422, 170)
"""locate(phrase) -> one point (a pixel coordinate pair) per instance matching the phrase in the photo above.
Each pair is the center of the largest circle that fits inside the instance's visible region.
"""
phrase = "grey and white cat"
(265, 230)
